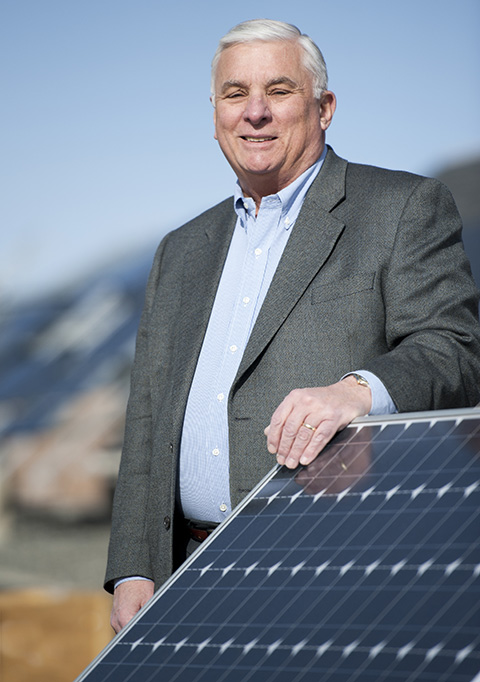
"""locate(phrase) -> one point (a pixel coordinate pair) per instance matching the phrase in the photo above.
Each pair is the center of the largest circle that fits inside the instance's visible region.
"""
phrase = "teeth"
(258, 139)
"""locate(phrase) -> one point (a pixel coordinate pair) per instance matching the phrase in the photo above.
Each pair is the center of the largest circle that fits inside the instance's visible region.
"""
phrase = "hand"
(325, 410)
(128, 599)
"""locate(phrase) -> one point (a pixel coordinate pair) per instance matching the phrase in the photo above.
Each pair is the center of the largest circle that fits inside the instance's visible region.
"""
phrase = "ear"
(214, 118)
(328, 104)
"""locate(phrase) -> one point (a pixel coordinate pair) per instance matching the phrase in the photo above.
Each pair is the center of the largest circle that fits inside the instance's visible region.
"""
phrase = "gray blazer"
(374, 277)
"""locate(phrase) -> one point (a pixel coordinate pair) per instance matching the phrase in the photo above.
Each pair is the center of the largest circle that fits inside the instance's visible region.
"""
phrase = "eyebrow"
(231, 84)
(282, 80)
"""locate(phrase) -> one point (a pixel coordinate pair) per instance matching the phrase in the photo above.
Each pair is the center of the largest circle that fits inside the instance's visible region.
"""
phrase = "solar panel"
(362, 567)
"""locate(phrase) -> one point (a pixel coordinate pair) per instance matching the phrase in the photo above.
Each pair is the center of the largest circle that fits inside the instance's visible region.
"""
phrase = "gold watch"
(360, 380)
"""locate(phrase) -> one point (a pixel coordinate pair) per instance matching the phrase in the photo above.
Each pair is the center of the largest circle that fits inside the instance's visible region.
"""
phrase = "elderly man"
(322, 291)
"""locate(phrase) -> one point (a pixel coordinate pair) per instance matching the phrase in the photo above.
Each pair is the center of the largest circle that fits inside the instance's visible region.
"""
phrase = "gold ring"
(308, 426)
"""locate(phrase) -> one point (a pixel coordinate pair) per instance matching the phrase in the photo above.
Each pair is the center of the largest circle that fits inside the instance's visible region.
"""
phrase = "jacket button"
(170, 447)
(166, 522)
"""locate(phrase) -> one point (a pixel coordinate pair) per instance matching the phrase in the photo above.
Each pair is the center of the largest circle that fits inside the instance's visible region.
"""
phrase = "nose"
(257, 110)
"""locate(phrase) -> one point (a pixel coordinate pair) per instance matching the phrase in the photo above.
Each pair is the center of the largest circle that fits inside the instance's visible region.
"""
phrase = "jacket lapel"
(202, 267)
(312, 240)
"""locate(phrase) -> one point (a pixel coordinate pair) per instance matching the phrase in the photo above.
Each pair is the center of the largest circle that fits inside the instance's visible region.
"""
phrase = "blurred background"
(107, 144)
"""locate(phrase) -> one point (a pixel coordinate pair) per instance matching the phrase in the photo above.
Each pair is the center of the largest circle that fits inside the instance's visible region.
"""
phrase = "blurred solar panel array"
(55, 347)
(364, 566)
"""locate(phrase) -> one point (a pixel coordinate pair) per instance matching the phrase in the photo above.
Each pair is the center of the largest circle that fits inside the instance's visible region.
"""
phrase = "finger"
(274, 430)
(120, 617)
(323, 435)
(115, 624)
(304, 451)
(302, 439)
(118, 621)
(294, 435)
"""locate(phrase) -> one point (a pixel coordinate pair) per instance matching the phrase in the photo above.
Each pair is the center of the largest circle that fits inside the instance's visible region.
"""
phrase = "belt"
(200, 530)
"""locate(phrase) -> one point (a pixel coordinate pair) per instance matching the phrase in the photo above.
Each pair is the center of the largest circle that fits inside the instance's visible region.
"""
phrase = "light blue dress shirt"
(257, 245)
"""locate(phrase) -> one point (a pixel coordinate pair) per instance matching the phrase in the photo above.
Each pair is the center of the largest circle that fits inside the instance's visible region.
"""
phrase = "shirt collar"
(291, 197)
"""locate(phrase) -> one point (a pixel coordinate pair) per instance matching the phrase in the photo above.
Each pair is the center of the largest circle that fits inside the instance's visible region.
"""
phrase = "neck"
(257, 186)
(263, 186)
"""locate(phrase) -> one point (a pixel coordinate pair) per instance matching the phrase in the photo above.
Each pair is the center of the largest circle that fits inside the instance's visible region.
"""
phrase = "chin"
(262, 168)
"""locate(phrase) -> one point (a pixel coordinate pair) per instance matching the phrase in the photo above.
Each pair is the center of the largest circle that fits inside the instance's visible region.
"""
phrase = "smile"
(258, 139)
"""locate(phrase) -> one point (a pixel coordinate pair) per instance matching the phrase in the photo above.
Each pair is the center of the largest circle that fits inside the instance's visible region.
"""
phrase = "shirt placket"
(260, 234)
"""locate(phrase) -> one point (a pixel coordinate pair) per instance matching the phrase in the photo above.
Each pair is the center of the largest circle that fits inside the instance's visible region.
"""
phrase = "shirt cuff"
(131, 577)
(381, 400)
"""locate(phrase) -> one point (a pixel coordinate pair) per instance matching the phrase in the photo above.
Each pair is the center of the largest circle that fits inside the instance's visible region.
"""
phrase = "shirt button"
(220, 397)
(246, 300)
(233, 348)
(223, 507)
(287, 221)
(258, 252)
(215, 452)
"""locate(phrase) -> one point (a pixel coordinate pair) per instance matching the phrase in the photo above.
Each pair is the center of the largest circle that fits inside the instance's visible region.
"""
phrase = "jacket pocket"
(329, 291)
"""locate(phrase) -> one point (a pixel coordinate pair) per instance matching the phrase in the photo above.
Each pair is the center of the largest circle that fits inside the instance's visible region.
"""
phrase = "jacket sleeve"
(128, 550)
(431, 305)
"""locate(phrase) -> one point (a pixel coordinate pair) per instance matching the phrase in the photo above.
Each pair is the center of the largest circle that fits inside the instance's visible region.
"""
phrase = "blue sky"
(106, 125)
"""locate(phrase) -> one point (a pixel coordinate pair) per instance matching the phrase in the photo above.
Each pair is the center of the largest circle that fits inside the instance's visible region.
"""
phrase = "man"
(324, 291)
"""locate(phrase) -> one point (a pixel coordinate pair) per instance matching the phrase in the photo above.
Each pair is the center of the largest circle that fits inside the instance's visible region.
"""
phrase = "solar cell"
(362, 567)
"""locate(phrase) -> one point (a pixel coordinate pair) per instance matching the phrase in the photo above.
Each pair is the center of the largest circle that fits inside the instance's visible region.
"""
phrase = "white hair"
(269, 30)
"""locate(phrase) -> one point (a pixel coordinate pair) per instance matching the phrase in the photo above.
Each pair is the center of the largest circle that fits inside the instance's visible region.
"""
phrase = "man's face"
(267, 121)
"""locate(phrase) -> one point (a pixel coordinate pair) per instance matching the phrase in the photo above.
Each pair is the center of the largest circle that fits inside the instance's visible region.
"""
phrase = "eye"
(236, 94)
(280, 92)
